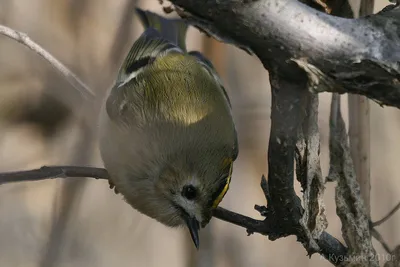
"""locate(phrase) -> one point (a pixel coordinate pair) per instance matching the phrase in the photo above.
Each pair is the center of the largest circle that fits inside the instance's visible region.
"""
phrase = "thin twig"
(24, 39)
(72, 191)
(251, 225)
(384, 219)
(331, 248)
(366, 7)
(380, 239)
(46, 172)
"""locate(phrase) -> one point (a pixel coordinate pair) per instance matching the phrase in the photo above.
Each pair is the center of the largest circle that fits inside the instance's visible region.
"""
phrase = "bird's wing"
(161, 37)
(144, 51)
(209, 67)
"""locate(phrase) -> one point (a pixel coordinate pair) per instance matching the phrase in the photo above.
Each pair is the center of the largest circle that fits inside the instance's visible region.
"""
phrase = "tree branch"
(72, 191)
(359, 132)
(294, 128)
(359, 56)
(287, 114)
(330, 247)
(47, 172)
(349, 203)
(251, 225)
(366, 7)
(387, 217)
(334, 52)
(24, 39)
(394, 260)
(380, 239)
(308, 171)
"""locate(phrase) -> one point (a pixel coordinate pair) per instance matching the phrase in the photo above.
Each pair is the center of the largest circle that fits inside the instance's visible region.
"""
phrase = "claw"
(112, 186)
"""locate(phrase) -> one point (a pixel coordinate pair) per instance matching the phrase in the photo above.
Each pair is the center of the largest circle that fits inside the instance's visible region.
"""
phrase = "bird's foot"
(112, 186)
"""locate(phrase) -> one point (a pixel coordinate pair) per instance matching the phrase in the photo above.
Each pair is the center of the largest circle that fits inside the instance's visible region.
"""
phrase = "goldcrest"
(167, 136)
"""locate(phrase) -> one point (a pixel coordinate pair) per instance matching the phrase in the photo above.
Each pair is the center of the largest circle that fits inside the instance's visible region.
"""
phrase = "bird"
(166, 130)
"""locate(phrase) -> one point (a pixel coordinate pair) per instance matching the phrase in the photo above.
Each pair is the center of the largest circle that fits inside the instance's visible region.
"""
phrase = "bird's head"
(193, 189)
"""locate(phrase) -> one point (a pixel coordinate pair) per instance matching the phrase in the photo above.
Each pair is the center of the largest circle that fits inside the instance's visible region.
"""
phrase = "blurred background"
(82, 222)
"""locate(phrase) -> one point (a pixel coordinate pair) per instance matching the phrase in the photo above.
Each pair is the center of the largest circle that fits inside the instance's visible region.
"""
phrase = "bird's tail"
(173, 30)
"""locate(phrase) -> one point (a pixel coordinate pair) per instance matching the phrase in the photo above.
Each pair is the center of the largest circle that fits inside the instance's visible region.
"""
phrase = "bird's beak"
(194, 227)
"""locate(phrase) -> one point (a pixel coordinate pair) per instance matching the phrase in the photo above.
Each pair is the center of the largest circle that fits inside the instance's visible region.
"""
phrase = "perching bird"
(167, 136)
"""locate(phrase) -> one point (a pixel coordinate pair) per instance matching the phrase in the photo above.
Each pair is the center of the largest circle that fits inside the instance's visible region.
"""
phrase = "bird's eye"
(189, 192)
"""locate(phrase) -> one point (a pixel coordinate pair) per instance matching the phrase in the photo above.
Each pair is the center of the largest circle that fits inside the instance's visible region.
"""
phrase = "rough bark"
(359, 56)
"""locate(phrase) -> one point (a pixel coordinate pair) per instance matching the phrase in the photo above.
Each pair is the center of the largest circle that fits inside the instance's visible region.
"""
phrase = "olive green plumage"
(167, 136)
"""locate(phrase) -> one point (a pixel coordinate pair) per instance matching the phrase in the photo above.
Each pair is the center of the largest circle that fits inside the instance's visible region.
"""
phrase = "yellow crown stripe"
(226, 187)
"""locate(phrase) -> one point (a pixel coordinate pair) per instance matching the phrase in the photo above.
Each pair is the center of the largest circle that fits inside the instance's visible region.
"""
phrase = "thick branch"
(287, 114)
(330, 247)
(294, 112)
(361, 55)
